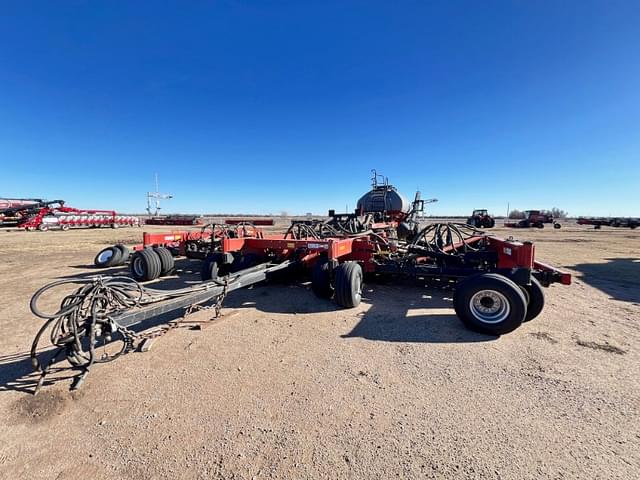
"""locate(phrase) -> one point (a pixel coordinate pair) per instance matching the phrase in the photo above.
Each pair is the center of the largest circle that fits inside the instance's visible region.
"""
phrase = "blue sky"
(286, 106)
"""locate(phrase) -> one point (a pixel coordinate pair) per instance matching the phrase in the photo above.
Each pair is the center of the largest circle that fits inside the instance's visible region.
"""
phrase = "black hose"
(86, 315)
(446, 238)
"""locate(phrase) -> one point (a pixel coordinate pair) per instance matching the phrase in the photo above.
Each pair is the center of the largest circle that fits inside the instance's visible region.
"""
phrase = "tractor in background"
(480, 218)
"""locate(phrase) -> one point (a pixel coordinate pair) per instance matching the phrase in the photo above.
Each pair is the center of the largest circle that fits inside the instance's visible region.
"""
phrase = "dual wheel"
(151, 263)
(487, 303)
(146, 264)
(493, 304)
(347, 283)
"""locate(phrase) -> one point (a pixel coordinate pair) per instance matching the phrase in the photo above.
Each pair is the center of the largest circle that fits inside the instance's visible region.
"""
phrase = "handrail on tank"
(374, 179)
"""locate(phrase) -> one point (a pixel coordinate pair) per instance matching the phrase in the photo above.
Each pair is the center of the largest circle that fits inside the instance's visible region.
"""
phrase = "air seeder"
(497, 284)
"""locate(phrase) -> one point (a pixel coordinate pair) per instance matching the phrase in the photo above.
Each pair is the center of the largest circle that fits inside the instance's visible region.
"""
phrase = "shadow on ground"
(412, 314)
(405, 313)
(17, 374)
(393, 313)
(619, 277)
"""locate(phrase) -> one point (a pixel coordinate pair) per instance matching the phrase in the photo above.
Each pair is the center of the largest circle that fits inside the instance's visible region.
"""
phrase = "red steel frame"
(178, 238)
(511, 254)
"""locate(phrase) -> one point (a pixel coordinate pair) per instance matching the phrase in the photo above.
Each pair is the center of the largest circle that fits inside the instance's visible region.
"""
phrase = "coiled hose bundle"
(86, 318)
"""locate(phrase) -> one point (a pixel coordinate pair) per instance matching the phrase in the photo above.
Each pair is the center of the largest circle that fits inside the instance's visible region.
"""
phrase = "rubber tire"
(124, 253)
(64, 227)
(321, 279)
(492, 223)
(534, 294)
(348, 284)
(490, 281)
(167, 264)
(557, 226)
(116, 259)
(149, 260)
(43, 228)
(208, 271)
(111, 261)
(539, 225)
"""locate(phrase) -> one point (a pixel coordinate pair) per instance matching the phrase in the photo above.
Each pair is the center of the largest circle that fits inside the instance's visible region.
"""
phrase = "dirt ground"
(286, 385)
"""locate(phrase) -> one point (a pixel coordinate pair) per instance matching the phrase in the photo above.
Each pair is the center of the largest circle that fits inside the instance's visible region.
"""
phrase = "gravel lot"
(286, 385)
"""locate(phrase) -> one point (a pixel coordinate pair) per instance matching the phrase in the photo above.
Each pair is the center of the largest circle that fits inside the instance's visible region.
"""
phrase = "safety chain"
(132, 338)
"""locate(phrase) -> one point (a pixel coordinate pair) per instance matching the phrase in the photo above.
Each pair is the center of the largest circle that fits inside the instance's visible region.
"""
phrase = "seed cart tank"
(383, 198)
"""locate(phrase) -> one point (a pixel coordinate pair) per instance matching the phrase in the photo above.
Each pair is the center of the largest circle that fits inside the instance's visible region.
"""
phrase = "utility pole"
(158, 196)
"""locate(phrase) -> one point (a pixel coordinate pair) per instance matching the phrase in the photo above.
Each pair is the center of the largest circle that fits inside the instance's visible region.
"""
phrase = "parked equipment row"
(48, 219)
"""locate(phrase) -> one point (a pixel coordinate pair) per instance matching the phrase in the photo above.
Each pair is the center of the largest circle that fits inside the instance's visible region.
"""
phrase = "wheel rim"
(104, 257)
(489, 306)
(138, 268)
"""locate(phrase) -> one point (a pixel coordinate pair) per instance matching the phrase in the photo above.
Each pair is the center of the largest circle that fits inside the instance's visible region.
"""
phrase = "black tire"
(557, 226)
(476, 297)
(348, 284)
(321, 279)
(534, 295)
(491, 223)
(539, 225)
(64, 227)
(107, 257)
(213, 267)
(145, 265)
(43, 227)
(167, 264)
(209, 269)
(124, 253)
